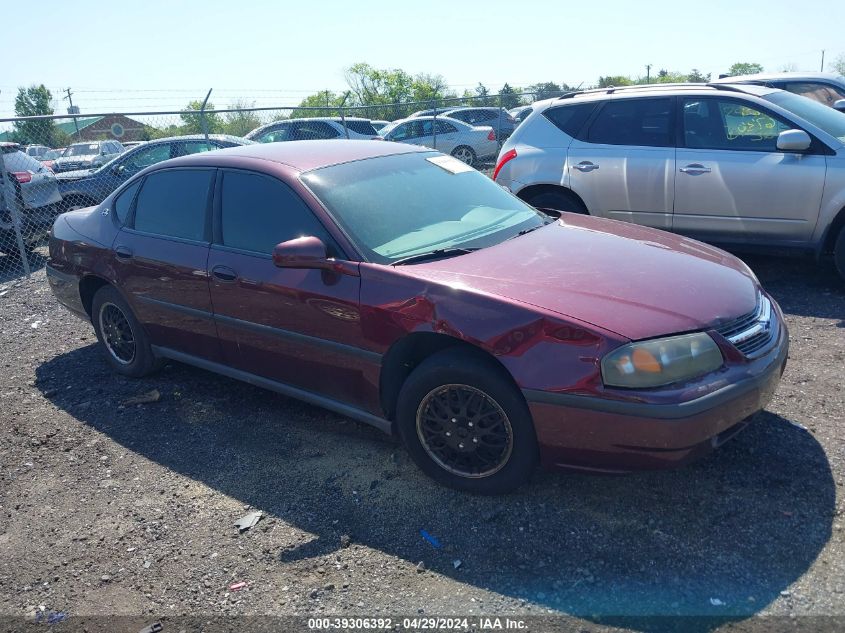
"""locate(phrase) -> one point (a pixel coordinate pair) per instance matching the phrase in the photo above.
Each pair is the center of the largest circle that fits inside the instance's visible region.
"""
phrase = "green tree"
(664, 77)
(744, 68)
(509, 97)
(192, 123)
(614, 81)
(323, 103)
(698, 77)
(240, 123)
(34, 101)
(838, 65)
(547, 90)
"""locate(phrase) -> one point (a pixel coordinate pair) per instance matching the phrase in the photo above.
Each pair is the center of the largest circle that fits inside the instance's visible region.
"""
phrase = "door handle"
(694, 169)
(224, 273)
(585, 166)
(122, 252)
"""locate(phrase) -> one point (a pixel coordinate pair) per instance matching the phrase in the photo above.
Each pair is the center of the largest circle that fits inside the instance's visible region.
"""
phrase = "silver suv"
(727, 163)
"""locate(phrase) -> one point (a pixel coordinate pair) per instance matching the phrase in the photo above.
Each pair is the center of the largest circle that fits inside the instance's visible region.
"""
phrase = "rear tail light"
(508, 155)
(21, 176)
(491, 136)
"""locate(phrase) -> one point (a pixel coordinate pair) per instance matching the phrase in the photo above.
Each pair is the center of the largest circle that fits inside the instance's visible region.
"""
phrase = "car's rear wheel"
(464, 154)
(126, 346)
(559, 200)
(839, 253)
(466, 425)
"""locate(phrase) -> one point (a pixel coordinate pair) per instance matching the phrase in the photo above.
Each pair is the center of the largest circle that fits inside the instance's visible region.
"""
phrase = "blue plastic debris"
(431, 539)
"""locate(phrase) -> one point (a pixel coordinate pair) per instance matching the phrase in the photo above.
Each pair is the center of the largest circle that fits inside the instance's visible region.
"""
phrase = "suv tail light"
(508, 155)
(491, 136)
(21, 176)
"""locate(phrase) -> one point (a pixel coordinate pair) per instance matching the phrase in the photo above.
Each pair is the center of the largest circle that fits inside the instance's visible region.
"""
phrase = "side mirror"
(303, 252)
(839, 105)
(793, 141)
(118, 170)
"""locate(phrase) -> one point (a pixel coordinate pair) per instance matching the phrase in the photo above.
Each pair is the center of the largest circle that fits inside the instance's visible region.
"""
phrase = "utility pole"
(648, 73)
(70, 110)
(822, 68)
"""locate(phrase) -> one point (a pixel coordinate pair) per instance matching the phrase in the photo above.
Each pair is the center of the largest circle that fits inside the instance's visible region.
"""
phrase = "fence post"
(203, 122)
(499, 122)
(434, 125)
(12, 205)
(342, 115)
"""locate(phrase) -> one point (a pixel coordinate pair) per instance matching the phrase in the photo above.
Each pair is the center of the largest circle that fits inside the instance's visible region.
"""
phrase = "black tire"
(839, 253)
(465, 154)
(454, 373)
(560, 200)
(115, 325)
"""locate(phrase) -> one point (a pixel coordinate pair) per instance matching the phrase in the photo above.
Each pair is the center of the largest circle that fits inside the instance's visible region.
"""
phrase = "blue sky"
(155, 54)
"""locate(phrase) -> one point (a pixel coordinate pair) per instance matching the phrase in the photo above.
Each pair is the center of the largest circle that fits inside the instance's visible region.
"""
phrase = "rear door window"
(174, 203)
(635, 122)
(361, 127)
(313, 130)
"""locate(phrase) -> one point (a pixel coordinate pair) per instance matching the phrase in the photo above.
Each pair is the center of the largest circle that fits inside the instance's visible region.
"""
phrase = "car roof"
(197, 137)
(668, 89)
(300, 155)
(796, 76)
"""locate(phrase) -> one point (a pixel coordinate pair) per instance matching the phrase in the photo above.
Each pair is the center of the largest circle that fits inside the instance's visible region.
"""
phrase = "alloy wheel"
(465, 431)
(117, 333)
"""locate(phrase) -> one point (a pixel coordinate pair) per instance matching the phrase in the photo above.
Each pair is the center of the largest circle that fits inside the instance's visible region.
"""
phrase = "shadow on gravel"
(801, 286)
(11, 267)
(721, 538)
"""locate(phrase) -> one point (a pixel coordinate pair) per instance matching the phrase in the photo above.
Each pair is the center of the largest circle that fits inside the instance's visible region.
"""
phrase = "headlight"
(661, 361)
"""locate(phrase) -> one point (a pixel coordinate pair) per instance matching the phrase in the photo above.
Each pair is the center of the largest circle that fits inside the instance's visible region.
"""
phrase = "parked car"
(469, 144)
(311, 129)
(378, 124)
(36, 151)
(48, 159)
(399, 287)
(520, 112)
(87, 155)
(32, 189)
(734, 164)
(826, 88)
(84, 188)
(497, 118)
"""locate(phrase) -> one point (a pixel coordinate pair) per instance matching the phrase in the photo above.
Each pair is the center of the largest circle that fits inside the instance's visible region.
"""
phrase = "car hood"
(632, 280)
(76, 174)
(82, 158)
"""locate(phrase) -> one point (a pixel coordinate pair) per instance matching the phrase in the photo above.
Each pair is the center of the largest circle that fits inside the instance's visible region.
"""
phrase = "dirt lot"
(129, 509)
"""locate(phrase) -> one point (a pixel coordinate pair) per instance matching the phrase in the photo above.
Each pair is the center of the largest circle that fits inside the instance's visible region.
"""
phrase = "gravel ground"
(128, 509)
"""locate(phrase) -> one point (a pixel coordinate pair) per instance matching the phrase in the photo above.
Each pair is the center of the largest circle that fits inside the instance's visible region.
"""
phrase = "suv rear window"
(638, 122)
(570, 118)
(362, 127)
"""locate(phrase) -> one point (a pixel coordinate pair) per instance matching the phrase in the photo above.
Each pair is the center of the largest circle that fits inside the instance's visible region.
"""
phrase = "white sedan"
(468, 143)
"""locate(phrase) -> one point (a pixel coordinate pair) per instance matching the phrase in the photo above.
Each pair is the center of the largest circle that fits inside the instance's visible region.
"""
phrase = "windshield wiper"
(533, 228)
(435, 254)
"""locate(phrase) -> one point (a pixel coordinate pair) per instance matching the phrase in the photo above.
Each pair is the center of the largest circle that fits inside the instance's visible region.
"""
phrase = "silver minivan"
(731, 164)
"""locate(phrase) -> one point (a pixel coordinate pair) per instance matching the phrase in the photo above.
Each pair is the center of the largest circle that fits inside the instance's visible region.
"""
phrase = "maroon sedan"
(399, 287)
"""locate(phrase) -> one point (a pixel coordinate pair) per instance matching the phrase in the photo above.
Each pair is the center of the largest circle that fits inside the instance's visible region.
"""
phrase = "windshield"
(82, 149)
(51, 155)
(398, 206)
(822, 116)
(384, 131)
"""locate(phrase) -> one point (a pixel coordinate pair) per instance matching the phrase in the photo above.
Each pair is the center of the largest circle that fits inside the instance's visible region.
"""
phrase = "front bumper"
(597, 434)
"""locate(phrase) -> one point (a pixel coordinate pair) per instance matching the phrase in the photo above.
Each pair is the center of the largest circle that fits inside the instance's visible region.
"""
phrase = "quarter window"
(570, 118)
(638, 122)
(123, 202)
(729, 125)
(174, 203)
(258, 212)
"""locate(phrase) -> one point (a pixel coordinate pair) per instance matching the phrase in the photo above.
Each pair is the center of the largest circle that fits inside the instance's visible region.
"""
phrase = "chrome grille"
(751, 333)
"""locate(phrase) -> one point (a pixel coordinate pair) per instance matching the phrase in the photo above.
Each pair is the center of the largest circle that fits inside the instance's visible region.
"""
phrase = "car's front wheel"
(126, 346)
(466, 425)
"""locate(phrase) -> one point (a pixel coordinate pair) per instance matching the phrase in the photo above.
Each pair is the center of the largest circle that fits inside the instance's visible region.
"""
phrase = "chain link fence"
(53, 164)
